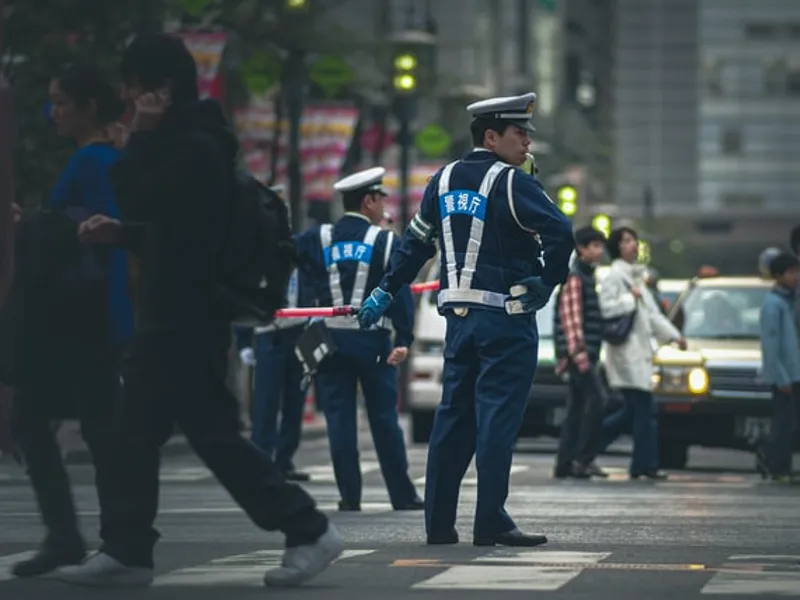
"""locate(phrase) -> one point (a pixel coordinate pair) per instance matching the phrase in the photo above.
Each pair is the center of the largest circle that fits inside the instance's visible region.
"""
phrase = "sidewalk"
(76, 452)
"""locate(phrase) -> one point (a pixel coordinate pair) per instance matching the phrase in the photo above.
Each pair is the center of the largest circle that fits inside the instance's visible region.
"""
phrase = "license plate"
(751, 428)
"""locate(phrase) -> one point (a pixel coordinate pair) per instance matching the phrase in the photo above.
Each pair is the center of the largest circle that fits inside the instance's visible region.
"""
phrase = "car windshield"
(730, 313)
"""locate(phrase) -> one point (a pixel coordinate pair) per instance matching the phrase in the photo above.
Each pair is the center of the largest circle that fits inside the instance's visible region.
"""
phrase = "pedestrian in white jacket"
(629, 365)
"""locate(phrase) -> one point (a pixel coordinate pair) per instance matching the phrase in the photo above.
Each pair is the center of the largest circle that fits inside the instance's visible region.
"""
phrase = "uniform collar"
(357, 215)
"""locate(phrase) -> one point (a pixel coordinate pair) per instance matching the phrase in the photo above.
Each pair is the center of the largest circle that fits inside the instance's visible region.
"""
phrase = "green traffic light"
(296, 4)
(405, 62)
(567, 193)
(602, 223)
(405, 82)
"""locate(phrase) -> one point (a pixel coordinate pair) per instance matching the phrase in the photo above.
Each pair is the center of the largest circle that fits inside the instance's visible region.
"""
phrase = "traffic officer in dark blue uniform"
(349, 259)
(278, 386)
(504, 246)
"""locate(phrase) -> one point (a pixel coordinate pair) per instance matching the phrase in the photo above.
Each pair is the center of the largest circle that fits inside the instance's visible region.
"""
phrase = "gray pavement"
(712, 530)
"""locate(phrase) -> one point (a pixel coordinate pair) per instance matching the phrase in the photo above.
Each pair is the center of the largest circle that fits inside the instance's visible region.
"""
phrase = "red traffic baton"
(342, 311)
(321, 311)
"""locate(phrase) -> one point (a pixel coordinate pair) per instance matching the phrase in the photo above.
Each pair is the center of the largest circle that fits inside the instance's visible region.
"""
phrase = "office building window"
(731, 141)
(742, 201)
(775, 77)
(761, 31)
(793, 78)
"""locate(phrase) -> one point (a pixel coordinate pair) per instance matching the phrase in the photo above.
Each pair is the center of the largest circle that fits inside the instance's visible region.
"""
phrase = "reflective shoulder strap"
(513, 210)
(447, 230)
(334, 281)
(387, 251)
(477, 227)
(362, 274)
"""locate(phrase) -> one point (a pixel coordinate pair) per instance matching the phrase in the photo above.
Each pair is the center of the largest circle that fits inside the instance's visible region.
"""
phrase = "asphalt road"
(714, 529)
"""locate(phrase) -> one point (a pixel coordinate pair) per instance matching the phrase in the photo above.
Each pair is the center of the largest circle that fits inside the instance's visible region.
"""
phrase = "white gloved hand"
(248, 357)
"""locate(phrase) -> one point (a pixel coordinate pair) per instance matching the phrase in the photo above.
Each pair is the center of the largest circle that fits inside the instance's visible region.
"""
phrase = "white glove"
(248, 357)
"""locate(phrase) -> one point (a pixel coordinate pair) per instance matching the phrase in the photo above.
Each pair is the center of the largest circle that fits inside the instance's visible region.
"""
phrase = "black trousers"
(580, 432)
(33, 430)
(171, 379)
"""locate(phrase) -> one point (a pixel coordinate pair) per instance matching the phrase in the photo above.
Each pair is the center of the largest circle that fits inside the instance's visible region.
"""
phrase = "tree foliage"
(42, 37)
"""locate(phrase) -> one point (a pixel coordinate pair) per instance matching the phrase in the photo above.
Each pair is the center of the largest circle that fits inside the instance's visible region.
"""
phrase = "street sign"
(260, 72)
(193, 8)
(331, 73)
(432, 140)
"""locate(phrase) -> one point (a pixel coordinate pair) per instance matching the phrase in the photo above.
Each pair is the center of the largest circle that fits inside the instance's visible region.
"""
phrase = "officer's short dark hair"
(782, 263)
(586, 235)
(160, 60)
(479, 127)
(794, 240)
(612, 245)
(352, 200)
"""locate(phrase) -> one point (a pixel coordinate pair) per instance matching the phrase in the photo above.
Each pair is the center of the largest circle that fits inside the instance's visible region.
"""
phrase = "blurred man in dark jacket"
(176, 180)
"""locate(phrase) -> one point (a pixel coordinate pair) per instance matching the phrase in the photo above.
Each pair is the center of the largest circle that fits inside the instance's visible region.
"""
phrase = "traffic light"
(645, 254)
(567, 200)
(296, 4)
(602, 223)
(405, 71)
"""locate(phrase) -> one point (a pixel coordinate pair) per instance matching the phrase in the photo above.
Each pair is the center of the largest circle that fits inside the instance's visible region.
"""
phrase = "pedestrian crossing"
(507, 569)
(370, 470)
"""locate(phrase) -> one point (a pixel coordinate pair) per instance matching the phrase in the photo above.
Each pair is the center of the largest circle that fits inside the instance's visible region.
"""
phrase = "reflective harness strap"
(459, 286)
(334, 281)
(362, 273)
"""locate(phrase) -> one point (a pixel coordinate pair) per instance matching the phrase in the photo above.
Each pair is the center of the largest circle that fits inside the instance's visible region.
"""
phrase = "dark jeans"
(278, 390)
(783, 431)
(177, 378)
(33, 430)
(580, 432)
(638, 411)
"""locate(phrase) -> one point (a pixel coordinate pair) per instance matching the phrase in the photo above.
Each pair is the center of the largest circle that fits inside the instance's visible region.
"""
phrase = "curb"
(178, 445)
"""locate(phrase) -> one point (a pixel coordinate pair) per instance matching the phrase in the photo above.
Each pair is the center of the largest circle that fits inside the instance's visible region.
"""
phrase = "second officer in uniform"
(504, 247)
(350, 258)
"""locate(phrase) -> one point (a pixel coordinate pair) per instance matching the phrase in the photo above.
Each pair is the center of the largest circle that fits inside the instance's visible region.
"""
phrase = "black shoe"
(297, 476)
(348, 507)
(580, 472)
(415, 504)
(512, 538)
(47, 560)
(651, 475)
(442, 539)
(559, 473)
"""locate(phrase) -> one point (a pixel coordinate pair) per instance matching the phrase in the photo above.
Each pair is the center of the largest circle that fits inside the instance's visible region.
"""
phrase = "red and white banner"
(206, 49)
(325, 134)
(417, 181)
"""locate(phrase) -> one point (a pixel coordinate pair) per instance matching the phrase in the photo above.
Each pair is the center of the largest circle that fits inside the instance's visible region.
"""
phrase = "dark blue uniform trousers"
(489, 362)
(278, 378)
(336, 388)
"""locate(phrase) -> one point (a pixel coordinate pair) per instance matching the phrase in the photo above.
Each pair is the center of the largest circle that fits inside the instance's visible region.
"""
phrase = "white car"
(548, 394)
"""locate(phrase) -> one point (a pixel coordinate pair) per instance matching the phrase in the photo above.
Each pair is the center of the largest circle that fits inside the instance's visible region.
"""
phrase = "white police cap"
(368, 181)
(517, 110)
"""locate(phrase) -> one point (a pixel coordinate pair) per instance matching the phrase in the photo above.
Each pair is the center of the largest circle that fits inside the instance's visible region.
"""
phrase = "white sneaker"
(102, 570)
(302, 563)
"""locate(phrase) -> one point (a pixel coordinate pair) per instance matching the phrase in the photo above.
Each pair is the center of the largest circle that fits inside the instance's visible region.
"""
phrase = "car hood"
(711, 352)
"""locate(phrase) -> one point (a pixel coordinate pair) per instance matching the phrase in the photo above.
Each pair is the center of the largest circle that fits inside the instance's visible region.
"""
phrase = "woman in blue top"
(86, 325)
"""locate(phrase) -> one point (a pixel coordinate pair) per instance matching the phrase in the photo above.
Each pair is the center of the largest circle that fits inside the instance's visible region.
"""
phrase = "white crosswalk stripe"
(755, 575)
(505, 569)
(236, 570)
(501, 570)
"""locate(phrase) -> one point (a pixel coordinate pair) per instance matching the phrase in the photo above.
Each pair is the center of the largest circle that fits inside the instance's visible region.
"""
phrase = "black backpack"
(259, 257)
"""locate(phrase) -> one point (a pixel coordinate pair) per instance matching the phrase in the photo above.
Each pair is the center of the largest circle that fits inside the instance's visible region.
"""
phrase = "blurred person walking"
(624, 298)
(77, 319)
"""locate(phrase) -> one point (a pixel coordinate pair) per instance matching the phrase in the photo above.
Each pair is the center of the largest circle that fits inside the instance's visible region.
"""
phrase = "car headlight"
(680, 380)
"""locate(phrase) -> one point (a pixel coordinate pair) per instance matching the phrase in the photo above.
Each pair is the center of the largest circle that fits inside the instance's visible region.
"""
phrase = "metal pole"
(6, 174)
(405, 104)
(294, 99)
